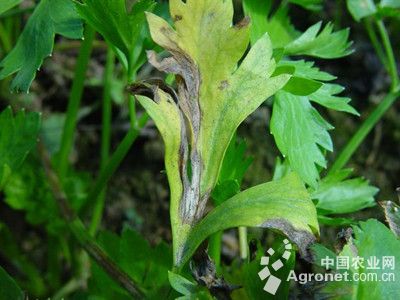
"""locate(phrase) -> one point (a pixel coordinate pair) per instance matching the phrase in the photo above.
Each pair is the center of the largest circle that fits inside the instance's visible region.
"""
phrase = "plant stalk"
(105, 138)
(116, 159)
(390, 55)
(244, 252)
(74, 101)
(215, 248)
(376, 43)
(363, 131)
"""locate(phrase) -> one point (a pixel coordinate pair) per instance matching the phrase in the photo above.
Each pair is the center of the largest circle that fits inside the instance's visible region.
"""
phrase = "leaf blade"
(280, 199)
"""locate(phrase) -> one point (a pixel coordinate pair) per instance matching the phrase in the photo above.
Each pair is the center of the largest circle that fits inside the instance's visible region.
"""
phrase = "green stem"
(78, 230)
(363, 131)
(215, 247)
(116, 159)
(5, 39)
(132, 111)
(390, 55)
(75, 100)
(376, 43)
(244, 252)
(105, 138)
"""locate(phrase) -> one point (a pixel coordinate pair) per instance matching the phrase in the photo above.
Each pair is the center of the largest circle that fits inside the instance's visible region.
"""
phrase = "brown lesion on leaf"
(188, 86)
(392, 216)
(148, 88)
(177, 18)
(224, 85)
(303, 239)
(243, 23)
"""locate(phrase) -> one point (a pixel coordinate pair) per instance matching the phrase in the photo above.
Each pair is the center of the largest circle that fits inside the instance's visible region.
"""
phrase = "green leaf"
(235, 162)
(390, 3)
(181, 284)
(278, 26)
(120, 26)
(225, 190)
(337, 195)
(271, 205)
(300, 132)
(49, 18)
(28, 190)
(147, 265)
(8, 4)
(372, 239)
(258, 12)
(301, 86)
(327, 96)
(233, 168)
(282, 169)
(8, 288)
(324, 44)
(335, 222)
(308, 4)
(18, 136)
(361, 8)
(244, 274)
(306, 69)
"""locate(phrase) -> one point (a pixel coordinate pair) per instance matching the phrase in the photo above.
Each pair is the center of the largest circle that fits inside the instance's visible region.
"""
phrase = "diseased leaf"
(338, 195)
(8, 288)
(271, 205)
(361, 8)
(324, 44)
(8, 4)
(214, 96)
(168, 118)
(392, 215)
(49, 18)
(300, 132)
(18, 135)
(122, 28)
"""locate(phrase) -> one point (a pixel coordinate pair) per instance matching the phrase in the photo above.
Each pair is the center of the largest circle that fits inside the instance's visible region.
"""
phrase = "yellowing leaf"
(168, 118)
(214, 96)
(205, 38)
(276, 204)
